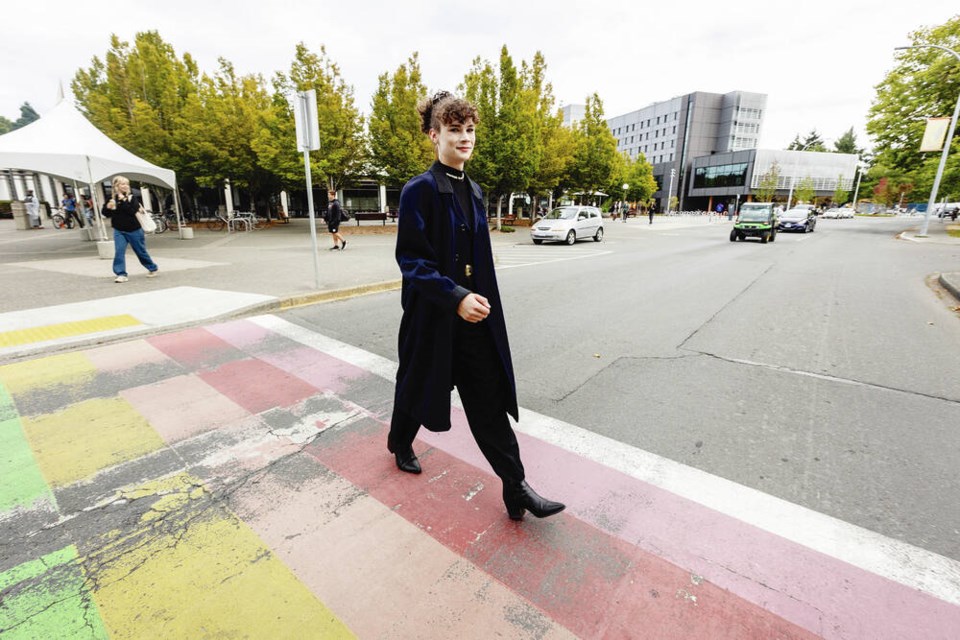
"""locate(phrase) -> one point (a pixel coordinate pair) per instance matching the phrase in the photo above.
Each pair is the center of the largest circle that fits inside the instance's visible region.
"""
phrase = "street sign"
(305, 120)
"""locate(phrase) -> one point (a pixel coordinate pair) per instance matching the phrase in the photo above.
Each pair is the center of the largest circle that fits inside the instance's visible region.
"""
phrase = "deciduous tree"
(925, 83)
(399, 149)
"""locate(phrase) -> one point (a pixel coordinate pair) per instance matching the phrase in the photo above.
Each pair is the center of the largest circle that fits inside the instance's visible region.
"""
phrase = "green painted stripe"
(21, 483)
(46, 598)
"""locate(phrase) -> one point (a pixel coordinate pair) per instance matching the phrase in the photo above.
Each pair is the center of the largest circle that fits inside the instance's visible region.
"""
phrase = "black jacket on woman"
(124, 216)
(433, 236)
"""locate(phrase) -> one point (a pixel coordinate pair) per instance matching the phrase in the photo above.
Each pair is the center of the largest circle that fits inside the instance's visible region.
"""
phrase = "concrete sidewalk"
(232, 480)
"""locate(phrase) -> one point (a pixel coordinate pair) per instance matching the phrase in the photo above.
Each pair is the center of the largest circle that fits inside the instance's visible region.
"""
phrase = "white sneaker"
(121, 279)
(153, 274)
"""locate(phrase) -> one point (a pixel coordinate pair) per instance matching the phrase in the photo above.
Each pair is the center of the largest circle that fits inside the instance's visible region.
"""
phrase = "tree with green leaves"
(769, 181)
(804, 191)
(518, 124)
(222, 140)
(481, 87)
(596, 156)
(840, 195)
(812, 142)
(5, 125)
(136, 96)
(925, 83)
(342, 153)
(847, 143)
(398, 148)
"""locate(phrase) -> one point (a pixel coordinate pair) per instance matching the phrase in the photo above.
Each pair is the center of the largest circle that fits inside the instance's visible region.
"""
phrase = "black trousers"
(479, 377)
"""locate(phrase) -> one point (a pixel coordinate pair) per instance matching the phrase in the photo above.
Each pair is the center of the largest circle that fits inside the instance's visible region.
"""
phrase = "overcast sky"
(818, 60)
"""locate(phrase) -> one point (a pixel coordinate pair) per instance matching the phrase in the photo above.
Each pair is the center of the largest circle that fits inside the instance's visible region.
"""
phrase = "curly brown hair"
(445, 108)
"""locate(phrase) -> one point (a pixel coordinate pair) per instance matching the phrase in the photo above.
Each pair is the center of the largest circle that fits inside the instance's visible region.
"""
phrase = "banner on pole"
(305, 120)
(934, 134)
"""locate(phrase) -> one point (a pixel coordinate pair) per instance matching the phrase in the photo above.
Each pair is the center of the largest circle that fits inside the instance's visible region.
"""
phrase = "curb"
(271, 306)
(951, 282)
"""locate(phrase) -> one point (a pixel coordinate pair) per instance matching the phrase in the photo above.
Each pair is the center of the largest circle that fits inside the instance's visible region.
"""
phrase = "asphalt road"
(821, 369)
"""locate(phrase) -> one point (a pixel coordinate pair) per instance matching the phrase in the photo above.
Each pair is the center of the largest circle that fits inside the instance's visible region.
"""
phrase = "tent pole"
(176, 205)
(96, 204)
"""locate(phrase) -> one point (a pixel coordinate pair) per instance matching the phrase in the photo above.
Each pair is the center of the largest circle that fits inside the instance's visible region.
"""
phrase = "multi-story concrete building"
(670, 134)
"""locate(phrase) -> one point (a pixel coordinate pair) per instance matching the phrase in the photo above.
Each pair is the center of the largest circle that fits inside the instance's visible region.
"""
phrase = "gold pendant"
(468, 269)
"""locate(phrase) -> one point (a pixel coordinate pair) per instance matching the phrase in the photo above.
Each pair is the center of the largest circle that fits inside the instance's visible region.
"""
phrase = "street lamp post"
(793, 178)
(856, 190)
(625, 187)
(673, 173)
(946, 146)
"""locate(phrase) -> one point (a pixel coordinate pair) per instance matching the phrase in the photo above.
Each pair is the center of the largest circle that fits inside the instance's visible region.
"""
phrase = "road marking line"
(896, 560)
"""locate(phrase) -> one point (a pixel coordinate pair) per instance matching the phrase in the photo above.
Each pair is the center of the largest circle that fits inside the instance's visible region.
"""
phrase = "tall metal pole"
(856, 191)
(303, 104)
(946, 146)
(673, 173)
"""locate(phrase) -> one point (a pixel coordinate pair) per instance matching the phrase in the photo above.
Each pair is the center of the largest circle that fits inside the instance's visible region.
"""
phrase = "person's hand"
(111, 204)
(473, 308)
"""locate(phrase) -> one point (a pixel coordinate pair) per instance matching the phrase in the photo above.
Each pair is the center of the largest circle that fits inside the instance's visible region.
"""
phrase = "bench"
(370, 215)
(507, 220)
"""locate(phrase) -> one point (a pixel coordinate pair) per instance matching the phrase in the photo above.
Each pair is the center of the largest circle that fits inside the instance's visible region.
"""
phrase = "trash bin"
(21, 220)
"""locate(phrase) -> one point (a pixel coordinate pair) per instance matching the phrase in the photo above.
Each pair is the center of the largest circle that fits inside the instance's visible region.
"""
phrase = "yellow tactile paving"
(67, 368)
(66, 330)
(212, 578)
(87, 437)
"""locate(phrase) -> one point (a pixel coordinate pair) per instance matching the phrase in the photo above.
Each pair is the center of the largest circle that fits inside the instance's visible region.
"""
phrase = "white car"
(838, 212)
(568, 224)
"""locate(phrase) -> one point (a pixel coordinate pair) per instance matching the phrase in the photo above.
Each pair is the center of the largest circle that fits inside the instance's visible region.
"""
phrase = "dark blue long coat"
(429, 222)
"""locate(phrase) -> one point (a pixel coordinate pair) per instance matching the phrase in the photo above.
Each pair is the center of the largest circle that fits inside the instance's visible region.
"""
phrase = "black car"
(802, 218)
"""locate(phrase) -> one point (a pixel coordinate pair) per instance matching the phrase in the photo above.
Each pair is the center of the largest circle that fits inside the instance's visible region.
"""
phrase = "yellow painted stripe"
(66, 330)
(87, 437)
(64, 369)
(208, 575)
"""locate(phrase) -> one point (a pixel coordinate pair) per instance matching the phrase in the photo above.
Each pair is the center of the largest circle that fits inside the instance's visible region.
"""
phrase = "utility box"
(21, 220)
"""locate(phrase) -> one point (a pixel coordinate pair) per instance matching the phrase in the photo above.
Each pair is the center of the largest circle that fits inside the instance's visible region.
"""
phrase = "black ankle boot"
(520, 497)
(407, 461)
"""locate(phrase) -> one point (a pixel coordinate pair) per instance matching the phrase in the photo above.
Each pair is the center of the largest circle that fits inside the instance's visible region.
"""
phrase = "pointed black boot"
(520, 497)
(407, 461)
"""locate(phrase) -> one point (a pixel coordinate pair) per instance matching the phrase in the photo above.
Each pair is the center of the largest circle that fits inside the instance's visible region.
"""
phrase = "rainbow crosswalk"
(233, 481)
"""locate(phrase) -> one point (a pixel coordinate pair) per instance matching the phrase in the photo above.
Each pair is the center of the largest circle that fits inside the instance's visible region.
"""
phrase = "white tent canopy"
(67, 146)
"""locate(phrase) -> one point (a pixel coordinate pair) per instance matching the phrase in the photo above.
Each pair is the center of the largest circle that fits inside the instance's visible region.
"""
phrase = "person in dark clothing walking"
(122, 208)
(453, 332)
(334, 218)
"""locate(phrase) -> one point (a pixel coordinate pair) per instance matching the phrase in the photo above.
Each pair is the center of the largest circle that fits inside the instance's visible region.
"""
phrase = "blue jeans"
(135, 239)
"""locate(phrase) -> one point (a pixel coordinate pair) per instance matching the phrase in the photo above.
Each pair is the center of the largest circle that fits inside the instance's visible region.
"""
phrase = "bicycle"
(60, 221)
(170, 219)
(160, 221)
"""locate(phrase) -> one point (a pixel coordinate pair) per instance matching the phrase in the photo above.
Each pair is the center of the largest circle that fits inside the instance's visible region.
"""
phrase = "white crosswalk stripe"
(524, 256)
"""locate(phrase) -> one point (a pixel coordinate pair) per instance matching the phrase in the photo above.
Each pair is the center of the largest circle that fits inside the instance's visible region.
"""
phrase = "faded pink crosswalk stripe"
(814, 591)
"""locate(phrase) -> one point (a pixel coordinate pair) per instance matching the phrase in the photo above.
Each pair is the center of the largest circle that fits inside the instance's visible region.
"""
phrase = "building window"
(658, 119)
(725, 175)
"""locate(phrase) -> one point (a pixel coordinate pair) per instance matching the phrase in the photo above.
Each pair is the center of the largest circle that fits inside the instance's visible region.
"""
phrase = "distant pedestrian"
(625, 210)
(69, 204)
(122, 208)
(334, 218)
(453, 331)
(87, 205)
(650, 213)
(33, 210)
(719, 209)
